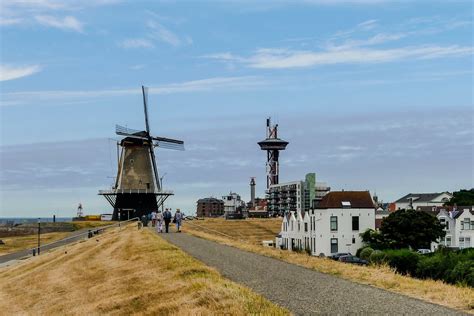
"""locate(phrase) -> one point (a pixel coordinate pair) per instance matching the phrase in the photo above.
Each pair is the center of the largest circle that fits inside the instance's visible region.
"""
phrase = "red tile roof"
(358, 199)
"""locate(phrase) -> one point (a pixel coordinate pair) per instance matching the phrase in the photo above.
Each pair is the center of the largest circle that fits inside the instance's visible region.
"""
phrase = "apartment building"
(295, 196)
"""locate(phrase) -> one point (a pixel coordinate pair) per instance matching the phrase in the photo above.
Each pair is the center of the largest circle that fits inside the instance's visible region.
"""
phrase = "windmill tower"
(137, 190)
(272, 145)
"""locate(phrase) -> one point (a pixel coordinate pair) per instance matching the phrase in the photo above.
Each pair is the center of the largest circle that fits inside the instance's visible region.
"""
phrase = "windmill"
(137, 190)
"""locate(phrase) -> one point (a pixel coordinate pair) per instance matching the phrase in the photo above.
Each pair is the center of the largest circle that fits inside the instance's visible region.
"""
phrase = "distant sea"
(22, 220)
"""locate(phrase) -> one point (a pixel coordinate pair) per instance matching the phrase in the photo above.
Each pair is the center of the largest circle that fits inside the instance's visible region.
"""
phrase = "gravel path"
(301, 290)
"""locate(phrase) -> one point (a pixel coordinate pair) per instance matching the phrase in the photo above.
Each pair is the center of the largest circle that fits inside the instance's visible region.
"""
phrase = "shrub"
(366, 252)
(463, 273)
(378, 257)
(359, 250)
(404, 261)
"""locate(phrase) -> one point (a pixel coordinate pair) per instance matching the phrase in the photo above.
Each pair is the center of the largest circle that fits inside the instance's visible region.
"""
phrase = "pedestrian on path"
(159, 222)
(178, 217)
(167, 218)
(153, 219)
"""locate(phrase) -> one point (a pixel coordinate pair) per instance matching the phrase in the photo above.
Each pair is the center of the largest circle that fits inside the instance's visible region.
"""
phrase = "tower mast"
(272, 145)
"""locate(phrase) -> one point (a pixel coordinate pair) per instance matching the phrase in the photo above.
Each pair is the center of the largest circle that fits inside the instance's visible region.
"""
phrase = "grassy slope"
(126, 272)
(382, 277)
(18, 243)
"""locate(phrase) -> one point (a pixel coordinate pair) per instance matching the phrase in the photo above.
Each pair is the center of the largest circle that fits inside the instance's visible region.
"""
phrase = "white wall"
(319, 234)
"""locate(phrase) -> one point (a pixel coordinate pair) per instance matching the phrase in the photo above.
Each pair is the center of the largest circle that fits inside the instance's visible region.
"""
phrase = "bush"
(404, 261)
(463, 273)
(359, 250)
(378, 257)
(366, 252)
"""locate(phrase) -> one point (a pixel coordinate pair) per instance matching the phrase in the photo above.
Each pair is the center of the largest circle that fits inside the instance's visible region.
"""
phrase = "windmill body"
(137, 190)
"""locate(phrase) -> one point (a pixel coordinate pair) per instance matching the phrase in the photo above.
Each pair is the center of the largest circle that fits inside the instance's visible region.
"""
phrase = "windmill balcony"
(135, 191)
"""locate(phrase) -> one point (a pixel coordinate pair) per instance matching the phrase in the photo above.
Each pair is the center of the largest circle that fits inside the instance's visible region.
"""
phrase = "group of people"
(159, 218)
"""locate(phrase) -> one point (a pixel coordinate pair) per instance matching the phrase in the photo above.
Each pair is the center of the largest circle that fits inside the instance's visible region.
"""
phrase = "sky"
(371, 94)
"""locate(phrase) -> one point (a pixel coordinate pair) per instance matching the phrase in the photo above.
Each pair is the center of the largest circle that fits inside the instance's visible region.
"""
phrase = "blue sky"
(371, 94)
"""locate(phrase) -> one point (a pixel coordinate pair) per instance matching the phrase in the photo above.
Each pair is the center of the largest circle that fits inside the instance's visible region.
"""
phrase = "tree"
(410, 228)
(462, 197)
(374, 239)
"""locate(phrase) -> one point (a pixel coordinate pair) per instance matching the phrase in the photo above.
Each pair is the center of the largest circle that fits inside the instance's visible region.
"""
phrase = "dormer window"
(346, 204)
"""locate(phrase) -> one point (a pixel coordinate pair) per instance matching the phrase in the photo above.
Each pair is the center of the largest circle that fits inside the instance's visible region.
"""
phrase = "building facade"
(459, 225)
(210, 207)
(414, 200)
(233, 205)
(296, 196)
(333, 226)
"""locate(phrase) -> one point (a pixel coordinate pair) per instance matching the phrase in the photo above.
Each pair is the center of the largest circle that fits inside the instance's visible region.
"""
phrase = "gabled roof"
(419, 197)
(357, 199)
(456, 211)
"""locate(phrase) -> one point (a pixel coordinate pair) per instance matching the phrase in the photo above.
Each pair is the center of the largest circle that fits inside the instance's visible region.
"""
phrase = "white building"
(415, 200)
(459, 222)
(334, 226)
(233, 203)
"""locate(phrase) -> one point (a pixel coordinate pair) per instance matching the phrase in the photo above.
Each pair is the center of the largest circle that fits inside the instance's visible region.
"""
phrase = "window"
(448, 241)
(461, 242)
(467, 242)
(334, 245)
(333, 223)
(346, 204)
(353, 240)
(466, 224)
(305, 227)
(355, 222)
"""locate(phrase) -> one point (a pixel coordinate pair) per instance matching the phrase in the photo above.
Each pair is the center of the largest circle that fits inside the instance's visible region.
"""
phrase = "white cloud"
(136, 43)
(66, 23)
(10, 72)
(161, 33)
(270, 58)
(10, 21)
(210, 84)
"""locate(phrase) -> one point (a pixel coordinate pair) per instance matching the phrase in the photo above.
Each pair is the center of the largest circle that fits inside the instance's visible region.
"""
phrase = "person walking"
(159, 222)
(153, 219)
(167, 218)
(178, 217)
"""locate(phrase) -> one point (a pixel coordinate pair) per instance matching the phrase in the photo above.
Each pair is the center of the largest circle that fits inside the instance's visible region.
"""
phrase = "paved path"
(301, 290)
(74, 236)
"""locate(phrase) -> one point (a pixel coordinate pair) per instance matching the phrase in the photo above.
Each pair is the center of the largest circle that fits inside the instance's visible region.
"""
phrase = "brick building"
(210, 207)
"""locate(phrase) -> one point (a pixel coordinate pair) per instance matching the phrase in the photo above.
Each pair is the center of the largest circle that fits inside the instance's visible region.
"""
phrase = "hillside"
(126, 272)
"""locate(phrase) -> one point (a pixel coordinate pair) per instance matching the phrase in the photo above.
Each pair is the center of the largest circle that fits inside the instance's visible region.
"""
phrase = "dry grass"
(126, 272)
(90, 224)
(18, 243)
(457, 297)
(252, 230)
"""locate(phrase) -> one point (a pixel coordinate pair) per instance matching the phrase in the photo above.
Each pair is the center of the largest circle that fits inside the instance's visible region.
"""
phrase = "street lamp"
(39, 232)
(161, 185)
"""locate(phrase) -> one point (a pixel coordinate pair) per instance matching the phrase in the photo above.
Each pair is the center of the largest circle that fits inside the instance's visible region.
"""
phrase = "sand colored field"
(437, 292)
(127, 272)
(252, 230)
(18, 243)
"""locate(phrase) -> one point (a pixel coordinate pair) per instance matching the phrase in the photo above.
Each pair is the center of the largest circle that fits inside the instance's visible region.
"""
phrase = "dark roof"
(210, 200)
(358, 199)
(421, 197)
(457, 211)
